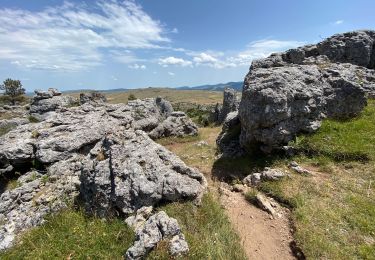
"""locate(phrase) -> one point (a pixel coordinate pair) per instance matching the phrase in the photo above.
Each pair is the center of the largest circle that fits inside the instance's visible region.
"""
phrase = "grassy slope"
(72, 235)
(334, 210)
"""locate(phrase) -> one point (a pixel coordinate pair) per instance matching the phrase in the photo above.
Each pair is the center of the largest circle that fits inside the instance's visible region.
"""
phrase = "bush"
(131, 97)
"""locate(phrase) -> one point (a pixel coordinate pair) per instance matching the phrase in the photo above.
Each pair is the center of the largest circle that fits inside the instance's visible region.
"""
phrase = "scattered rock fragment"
(268, 174)
(297, 168)
(266, 204)
(158, 227)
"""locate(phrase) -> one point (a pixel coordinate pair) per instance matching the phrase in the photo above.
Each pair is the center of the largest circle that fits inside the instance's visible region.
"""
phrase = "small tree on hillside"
(132, 97)
(13, 89)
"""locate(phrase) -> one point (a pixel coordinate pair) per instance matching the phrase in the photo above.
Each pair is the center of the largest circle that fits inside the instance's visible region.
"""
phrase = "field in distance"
(202, 97)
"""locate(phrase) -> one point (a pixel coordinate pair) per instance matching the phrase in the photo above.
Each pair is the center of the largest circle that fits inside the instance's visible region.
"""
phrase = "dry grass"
(194, 154)
(172, 95)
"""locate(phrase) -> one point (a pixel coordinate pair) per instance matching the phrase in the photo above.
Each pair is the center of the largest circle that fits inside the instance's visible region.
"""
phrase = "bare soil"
(262, 236)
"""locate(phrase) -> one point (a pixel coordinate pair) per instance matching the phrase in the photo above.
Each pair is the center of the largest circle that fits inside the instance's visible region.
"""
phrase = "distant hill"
(217, 87)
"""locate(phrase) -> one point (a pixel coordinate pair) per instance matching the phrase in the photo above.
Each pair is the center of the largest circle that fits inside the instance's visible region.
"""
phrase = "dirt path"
(262, 236)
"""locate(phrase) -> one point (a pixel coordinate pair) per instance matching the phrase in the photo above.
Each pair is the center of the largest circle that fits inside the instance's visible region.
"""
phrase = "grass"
(188, 149)
(207, 231)
(333, 210)
(33, 119)
(5, 129)
(172, 95)
(72, 235)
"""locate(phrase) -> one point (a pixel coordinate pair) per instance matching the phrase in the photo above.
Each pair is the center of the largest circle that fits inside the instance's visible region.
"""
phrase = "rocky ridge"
(292, 92)
(99, 153)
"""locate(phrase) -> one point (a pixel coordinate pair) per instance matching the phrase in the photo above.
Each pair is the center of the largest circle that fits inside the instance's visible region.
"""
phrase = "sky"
(165, 43)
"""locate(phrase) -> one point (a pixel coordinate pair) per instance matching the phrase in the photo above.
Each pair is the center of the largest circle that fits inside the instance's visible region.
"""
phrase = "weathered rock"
(37, 196)
(292, 92)
(230, 103)
(48, 101)
(228, 141)
(132, 172)
(137, 221)
(95, 138)
(165, 106)
(177, 124)
(92, 97)
(157, 228)
(265, 204)
(268, 174)
(297, 168)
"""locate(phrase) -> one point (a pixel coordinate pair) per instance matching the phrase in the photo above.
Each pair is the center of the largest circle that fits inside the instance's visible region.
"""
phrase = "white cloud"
(338, 22)
(171, 73)
(261, 49)
(254, 50)
(71, 36)
(137, 67)
(114, 78)
(204, 58)
(165, 62)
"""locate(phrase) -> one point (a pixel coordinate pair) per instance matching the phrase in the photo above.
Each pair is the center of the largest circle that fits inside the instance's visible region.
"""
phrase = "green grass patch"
(72, 235)
(334, 210)
(5, 129)
(207, 230)
(344, 140)
(33, 119)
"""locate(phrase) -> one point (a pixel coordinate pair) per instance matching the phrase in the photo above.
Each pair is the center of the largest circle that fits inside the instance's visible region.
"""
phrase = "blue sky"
(165, 43)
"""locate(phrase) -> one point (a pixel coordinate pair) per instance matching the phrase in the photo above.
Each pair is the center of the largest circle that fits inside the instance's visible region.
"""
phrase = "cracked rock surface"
(97, 152)
(292, 92)
(156, 228)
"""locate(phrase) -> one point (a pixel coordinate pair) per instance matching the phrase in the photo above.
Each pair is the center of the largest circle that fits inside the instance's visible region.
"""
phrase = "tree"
(13, 89)
(132, 97)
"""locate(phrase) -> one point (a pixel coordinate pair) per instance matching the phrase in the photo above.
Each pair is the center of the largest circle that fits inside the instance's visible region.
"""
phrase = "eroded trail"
(262, 237)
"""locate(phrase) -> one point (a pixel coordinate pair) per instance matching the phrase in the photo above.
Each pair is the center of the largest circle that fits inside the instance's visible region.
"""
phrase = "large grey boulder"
(292, 92)
(128, 170)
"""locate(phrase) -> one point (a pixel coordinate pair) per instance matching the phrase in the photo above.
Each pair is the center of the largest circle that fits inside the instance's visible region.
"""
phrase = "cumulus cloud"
(254, 50)
(338, 22)
(137, 67)
(71, 36)
(261, 49)
(165, 62)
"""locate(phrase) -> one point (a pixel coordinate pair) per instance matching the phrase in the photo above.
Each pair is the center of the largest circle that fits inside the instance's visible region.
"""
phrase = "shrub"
(131, 97)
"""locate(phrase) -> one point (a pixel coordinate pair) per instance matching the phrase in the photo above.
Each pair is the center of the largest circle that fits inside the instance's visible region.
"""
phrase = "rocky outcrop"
(149, 232)
(48, 101)
(177, 124)
(92, 97)
(231, 102)
(292, 92)
(228, 141)
(126, 171)
(98, 152)
(38, 195)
